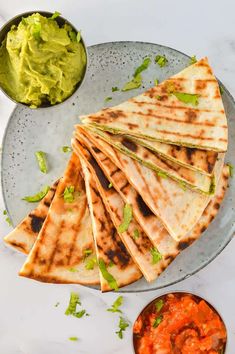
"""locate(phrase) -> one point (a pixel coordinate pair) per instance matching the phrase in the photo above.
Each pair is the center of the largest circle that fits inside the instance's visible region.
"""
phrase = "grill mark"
(96, 149)
(143, 208)
(190, 135)
(124, 186)
(114, 172)
(47, 204)
(36, 223)
(129, 144)
(99, 173)
(51, 259)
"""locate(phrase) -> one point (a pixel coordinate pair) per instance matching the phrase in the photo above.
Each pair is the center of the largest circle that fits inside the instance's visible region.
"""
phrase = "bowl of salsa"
(179, 323)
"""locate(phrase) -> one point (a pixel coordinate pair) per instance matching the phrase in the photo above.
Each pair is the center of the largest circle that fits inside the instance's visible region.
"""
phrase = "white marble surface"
(29, 322)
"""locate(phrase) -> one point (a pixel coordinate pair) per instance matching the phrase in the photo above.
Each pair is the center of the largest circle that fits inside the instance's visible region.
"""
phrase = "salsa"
(179, 323)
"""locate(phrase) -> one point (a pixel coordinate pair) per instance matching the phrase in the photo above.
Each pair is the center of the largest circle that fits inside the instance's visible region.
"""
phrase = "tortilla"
(194, 159)
(109, 247)
(179, 209)
(159, 115)
(59, 253)
(189, 178)
(24, 235)
(134, 238)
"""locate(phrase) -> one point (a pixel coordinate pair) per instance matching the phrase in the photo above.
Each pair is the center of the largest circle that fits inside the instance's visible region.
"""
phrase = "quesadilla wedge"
(189, 178)
(65, 243)
(179, 209)
(116, 266)
(24, 235)
(142, 251)
(185, 109)
(202, 161)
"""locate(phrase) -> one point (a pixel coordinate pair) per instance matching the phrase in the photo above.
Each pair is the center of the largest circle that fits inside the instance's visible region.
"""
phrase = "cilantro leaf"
(127, 217)
(107, 99)
(115, 306)
(156, 255)
(158, 97)
(110, 185)
(66, 149)
(90, 263)
(69, 194)
(142, 67)
(157, 321)
(156, 82)
(73, 302)
(231, 169)
(107, 276)
(73, 338)
(55, 15)
(133, 84)
(37, 197)
(79, 314)
(182, 185)
(87, 252)
(114, 89)
(192, 60)
(41, 159)
(123, 324)
(136, 234)
(221, 90)
(162, 174)
(161, 60)
(159, 305)
(188, 98)
(8, 220)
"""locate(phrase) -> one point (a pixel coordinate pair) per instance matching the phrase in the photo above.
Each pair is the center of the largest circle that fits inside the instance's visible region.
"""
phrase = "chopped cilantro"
(87, 252)
(162, 174)
(55, 15)
(161, 60)
(107, 276)
(111, 264)
(157, 321)
(136, 234)
(192, 60)
(127, 217)
(188, 98)
(57, 304)
(133, 84)
(156, 82)
(90, 263)
(115, 88)
(80, 314)
(73, 302)
(159, 305)
(69, 194)
(72, 270)
(37, 197)
(66, 149)
(142, 67)
(107, 99)
(41, 159)
(158, 97)
(182, 185)
(231, 169)
(123, 324)
(115, 306)
(73, 339)
(156, 255)
(110, 185)
(221, 89)
(8, 220)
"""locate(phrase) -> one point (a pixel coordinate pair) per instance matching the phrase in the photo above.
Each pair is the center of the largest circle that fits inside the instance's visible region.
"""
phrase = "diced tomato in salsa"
(184, 324)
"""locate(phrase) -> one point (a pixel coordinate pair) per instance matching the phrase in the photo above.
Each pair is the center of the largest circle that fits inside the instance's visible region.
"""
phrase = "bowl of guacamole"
(43, 59)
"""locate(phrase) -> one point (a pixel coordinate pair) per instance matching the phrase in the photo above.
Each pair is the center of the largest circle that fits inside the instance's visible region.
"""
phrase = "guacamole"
(41, 62)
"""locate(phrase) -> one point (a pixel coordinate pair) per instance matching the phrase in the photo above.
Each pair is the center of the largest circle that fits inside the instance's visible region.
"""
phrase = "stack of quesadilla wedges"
(148, 177)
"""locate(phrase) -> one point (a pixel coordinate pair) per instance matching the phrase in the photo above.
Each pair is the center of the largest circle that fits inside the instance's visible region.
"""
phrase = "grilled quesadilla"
(185, 109)
(116, 266)
(179, 209)
(194, 159)
(136, 241)
(188, 177)
(65, 246)
(24, 235)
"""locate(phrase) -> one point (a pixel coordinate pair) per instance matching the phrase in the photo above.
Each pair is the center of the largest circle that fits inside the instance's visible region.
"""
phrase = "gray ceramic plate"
(110, 64)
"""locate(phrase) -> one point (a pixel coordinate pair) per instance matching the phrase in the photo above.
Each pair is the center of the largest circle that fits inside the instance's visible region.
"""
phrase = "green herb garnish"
(231, 169)
(192, 60)
(159, 305)
(127, 217)
(37, 197)
(133, 84)
(157, 321)
(90, 263)
(73, 302)
(66, 149)
(110, 185)
(142, 67)
(8, 220)
(72, 270)
(158, 97)
(55, 15)
(136, 234)
(80, 314)
(123, 324)
(188, 98)
(182, 185)
(156, 82)
(111, 264)
(73, 339)
(41, 159)
(107, 276)
(221, 90)
(162, 174)
(57, 304)
(115, 88)
(107, 99)
(69, 194)
(161, 60)
(87, 252)
(115, 306)
(156, 255)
